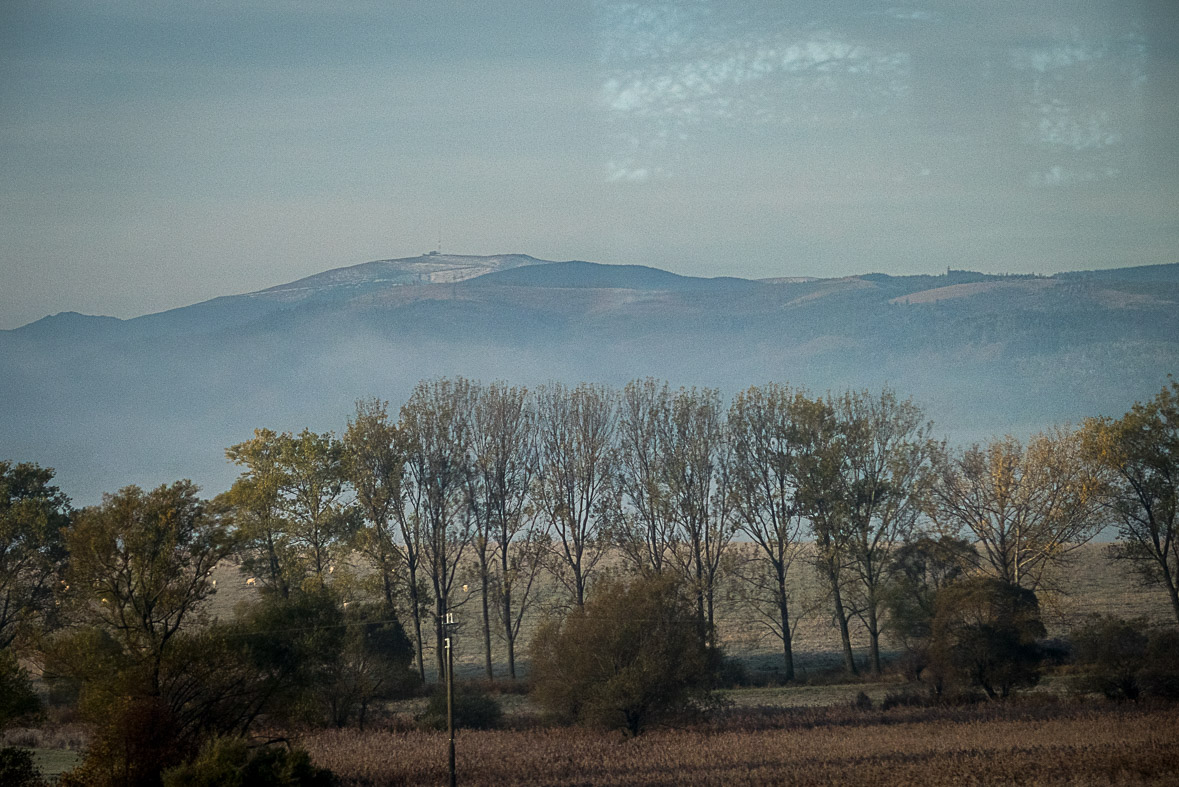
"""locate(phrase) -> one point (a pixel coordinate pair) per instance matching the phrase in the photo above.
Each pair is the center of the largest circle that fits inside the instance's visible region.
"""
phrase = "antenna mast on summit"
(439, 249)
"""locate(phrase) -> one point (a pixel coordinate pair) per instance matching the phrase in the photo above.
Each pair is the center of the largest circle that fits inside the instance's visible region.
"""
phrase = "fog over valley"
(111, 402)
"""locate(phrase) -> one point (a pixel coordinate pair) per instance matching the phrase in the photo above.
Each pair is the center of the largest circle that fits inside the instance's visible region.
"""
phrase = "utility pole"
(447, 624)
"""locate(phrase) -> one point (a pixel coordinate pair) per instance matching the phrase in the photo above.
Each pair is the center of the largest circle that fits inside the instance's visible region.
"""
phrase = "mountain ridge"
(158, 397)
(433, 269)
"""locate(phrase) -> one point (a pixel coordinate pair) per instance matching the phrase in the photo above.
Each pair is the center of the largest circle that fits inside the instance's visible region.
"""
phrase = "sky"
(155, 154)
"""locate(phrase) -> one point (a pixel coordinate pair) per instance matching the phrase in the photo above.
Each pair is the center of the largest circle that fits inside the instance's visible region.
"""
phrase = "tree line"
(498, 486)
(507, 489)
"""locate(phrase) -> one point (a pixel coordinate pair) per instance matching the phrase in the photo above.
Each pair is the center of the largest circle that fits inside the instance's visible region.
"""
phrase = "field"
(806, 732)
(1013, 744)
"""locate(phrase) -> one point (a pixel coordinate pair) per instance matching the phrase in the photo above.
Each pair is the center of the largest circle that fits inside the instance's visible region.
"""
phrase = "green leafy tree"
(292, 506)
(33, 513)
(634, 655)
(325, 662)
(17, 768)
(269, 553)
(232, 762)
(139, 573)
(374, 462)
(920, 569)
(140, 567)
(315, 497)
(18, 700)
(1140, 451)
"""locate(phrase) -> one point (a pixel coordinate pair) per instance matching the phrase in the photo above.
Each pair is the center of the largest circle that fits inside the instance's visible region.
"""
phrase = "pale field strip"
(1090, 584)
(1126, 746)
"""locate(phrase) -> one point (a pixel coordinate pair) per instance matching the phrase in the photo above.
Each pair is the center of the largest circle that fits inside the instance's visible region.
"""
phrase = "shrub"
(984, 635)
(1111, 653)
(474, 709)
(906, 698)
(1160, 671)
(138, 741)
(325, 673)
(231, 762)
(636, 654)
(17, 768)
(18, 701)
(732, 673)
(920, 569)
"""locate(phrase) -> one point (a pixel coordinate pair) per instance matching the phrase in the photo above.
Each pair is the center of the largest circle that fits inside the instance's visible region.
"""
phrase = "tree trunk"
(1172, 590)
(486, 615)
(509, 635)
(415, 604)
(787, 645)
(849, 660)
(873, 636)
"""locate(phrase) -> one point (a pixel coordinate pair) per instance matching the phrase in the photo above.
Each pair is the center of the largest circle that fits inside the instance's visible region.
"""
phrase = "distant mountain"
(159, 397)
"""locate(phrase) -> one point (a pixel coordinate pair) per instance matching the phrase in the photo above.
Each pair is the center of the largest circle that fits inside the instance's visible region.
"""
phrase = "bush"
(231, 762)
(17, 768)
(474, 709)
(326, 673)
(1160, 671)
(920, 570)
(138, 741)
(906, 698)
(984, 635)
(636, 654)
(732, 674)
(18, 701)
(1111, 653)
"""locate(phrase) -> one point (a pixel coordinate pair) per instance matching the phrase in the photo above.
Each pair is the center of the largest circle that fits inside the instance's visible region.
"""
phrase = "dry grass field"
(1041, 745)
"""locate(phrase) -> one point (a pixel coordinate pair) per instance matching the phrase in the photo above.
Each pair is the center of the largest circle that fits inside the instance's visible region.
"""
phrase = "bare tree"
(435, 422)
(820, 465)
(503, 442)
(695, 480)
(644, 533)
(1140, 452)
(576, 473)
(887, 456)
(763, 490)
(1029, 508)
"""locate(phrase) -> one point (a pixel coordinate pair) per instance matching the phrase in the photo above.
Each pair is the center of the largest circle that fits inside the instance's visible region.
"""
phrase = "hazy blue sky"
(153, 154)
